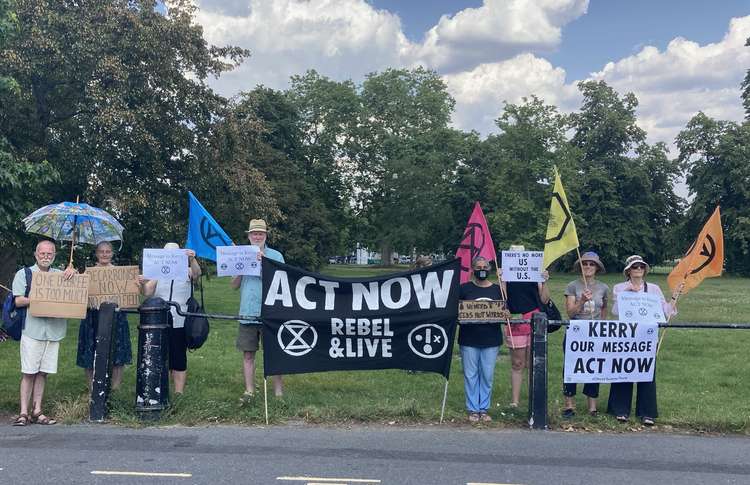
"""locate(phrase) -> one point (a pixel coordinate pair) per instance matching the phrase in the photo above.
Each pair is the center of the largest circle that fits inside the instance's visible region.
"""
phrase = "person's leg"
(487, 360)
(469, 362)
(116, 376)
(278, 386)
(27, 384)
(40, 379)
(591, 391)
(620, 399)
(517, 364)
(645, 400)
(179, 377)
(248, 368)
(89, 377)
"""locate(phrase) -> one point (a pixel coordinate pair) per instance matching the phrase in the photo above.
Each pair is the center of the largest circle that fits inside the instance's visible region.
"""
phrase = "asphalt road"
(302, 455)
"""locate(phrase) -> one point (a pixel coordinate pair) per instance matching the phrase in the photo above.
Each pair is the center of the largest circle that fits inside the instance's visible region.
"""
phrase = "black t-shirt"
(522, 296)
(480, 334)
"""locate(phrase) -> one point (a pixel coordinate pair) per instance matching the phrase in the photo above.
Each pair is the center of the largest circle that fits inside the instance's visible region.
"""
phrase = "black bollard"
(102, 379)
(538, 373)
(152, 376)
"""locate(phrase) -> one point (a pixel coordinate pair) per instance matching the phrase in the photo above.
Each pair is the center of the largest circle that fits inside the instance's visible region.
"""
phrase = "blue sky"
(611, 29)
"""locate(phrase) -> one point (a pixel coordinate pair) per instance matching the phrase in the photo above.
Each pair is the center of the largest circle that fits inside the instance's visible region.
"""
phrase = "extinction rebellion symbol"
(428, 341)
(296, 337)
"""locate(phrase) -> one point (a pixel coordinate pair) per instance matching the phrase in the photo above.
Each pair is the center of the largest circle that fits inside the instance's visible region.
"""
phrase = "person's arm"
(605, 303)
(148, 287)
(194, 272)
(669, 307)
(543, 288)
(615, 291)
(22, 301)
(236, 282)
(571, 306)
(19, 289)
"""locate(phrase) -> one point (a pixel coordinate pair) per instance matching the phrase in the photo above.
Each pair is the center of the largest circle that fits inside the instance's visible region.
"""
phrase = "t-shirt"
(180, 294)
(592, 309)
(251, 288)
(523, 297)
(479, 334)
(39, 328)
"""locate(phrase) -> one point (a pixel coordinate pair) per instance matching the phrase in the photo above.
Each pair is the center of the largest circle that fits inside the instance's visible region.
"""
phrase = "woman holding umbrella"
(122, 354)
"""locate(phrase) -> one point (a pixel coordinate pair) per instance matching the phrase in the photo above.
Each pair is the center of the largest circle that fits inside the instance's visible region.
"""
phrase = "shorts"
(248, 338)
(517, 341)
(177, 349)
(38, 355)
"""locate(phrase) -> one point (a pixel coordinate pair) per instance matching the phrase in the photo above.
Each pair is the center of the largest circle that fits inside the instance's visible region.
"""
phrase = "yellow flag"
(561, 230)
(704, 259)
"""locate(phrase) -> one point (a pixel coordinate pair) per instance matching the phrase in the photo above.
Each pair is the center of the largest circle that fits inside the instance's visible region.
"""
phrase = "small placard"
(54, 296)
(522, 266)
(485, 311)
(640, 307)
(115, 284)
(165, 264)
(237, 261)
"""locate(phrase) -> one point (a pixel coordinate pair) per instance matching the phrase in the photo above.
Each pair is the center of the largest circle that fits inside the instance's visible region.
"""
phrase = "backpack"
(196, 328)
(553, 313)
(14, 319)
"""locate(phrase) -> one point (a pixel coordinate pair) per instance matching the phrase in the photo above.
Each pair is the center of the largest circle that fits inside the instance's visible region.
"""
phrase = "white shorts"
(38, 355)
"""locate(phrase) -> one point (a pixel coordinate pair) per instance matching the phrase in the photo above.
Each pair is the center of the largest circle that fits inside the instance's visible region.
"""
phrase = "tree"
(626, 186)
(715, 155)
(746, 88)
(114, 96)
(406, 160)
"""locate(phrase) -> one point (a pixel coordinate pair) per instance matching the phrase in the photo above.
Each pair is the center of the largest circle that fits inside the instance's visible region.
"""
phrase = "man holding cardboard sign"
(40, 340)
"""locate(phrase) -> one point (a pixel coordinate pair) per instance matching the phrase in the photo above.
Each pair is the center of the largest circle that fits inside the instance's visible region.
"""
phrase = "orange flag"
(704, 259)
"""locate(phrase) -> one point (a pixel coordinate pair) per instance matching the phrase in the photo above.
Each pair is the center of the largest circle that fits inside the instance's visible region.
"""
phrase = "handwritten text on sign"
(116, 284)
(522, 265)
(485, 311)
(237, 261)
(640, 307)
(54, 296)
(610, 351)
(165, 264)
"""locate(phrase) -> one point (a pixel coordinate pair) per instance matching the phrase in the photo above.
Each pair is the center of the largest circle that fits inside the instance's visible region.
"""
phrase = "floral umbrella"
(74, 221)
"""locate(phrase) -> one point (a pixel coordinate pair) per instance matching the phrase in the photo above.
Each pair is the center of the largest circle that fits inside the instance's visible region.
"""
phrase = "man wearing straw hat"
(248, 335)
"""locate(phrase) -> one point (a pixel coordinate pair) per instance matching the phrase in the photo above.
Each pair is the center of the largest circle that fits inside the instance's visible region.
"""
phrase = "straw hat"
(258, 225)
(634, 259)
(594, 258)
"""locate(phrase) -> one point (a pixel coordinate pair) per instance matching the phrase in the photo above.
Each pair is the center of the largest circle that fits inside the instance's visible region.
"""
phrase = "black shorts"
(177, 349)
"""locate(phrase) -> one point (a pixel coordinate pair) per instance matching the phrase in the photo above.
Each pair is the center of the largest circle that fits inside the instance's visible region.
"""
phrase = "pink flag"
(476, 241)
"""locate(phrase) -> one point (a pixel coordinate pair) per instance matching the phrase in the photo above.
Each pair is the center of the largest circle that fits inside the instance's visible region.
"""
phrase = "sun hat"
(516, 247)
(634, 259)
(171, 245)
(257, 225)
(593, 257)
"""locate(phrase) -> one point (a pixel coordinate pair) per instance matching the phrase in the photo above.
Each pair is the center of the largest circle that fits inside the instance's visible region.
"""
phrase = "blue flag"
(204, 233)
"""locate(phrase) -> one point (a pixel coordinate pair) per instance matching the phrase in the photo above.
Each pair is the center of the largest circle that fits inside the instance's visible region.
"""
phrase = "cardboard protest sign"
(317, 323)
(610, 351)
(54, 296)
(522, 266)
(485, 311)
(640, 307)
(165, 264)
(237, 261)
(115, 284)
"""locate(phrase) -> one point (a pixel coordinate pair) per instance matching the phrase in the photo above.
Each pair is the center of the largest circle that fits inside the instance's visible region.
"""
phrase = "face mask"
(481, 274)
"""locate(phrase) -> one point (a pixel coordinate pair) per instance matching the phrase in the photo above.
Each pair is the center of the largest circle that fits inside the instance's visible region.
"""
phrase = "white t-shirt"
(180, 294)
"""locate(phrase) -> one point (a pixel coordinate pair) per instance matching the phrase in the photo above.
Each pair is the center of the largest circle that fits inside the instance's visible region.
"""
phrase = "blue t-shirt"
(251, 289)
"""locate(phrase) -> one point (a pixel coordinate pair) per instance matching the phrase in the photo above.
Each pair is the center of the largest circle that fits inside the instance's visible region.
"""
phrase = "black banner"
(315, 323)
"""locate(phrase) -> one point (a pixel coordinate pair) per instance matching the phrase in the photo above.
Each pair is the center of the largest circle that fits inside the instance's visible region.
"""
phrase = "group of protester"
(41, 336)
(586, 298)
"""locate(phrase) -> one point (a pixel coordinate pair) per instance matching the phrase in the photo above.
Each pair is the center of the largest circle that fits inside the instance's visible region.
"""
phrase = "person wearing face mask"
(479, 344)
(585, 299)
(122, 353)
(621, 393)
(524, 298)
(40, 340)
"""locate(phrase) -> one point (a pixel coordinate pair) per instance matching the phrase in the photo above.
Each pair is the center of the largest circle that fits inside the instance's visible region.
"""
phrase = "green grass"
(701, 375)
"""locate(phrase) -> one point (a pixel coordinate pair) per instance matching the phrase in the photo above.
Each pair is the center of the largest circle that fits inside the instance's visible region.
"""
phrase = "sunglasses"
(588, 263)
(638, 266)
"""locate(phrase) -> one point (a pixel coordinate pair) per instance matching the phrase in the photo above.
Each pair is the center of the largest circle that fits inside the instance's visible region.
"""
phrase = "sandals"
(21, 420)
(474, 417)
(647, 421)
(568, 413)
(485, 418)
(41, 418)
(622, 418)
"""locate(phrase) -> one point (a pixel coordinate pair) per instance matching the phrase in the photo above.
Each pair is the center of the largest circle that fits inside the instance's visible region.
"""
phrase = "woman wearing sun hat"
(621, 393)
(585, 299)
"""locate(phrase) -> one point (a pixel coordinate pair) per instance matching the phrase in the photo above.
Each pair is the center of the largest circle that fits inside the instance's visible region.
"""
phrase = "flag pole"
(661, 338)
(265, 397)
(585, 282)
(445, 396)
